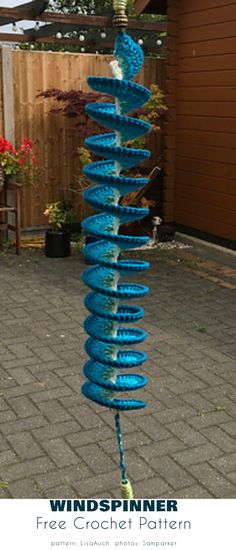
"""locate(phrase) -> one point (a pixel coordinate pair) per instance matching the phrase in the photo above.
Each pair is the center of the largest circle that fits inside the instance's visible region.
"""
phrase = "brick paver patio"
(55, 443)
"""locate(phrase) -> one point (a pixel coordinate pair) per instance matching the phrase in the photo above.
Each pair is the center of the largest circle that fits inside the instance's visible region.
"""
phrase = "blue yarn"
(129, 55)
(120, 447)
(107, 323)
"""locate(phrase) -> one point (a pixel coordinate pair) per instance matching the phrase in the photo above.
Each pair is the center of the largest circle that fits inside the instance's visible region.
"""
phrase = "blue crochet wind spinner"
(109, 314)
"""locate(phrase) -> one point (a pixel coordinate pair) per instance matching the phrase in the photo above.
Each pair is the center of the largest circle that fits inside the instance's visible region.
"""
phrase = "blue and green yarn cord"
(106, 325)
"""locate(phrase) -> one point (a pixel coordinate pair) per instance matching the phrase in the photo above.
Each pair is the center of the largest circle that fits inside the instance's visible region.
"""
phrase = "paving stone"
(213, 418)
(210, 478)
(224, 402)
(24, 445)
(152, 487)
(191, 375)
(232, 477)
(53, 411)
(45, 353)
(86, 417)
(226, 463)
(220, 438)
(4, 493)
(7, 416)
(29, 362)
(150, 426)
(187, 434)
(53, 393)
(60, 452)
(49, 379)
(26, 469)
(56, 430)
(23, 425)
(25, 488)
(63, 476)
(130, 441)
(170, 415)
(75, 381)
(167, 398)
(20, 351)
(7, 457)
(63, 491)
(172, 473)
(207, 376)
(101, 435)
(95, 484)
(25, 389)
(194, 491)
(152, 452)
(3, 404)
(81, 471)
(216, 391)
(230, 428)
(197, 454)
(95, 458)
(3, 444)
(23, 407)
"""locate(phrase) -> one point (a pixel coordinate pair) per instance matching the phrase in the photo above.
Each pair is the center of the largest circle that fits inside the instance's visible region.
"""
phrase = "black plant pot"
(72, 227)
(57, 244)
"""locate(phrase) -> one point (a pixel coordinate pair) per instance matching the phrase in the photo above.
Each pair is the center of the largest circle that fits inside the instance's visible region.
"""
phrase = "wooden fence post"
(8, 94)
(8, 116)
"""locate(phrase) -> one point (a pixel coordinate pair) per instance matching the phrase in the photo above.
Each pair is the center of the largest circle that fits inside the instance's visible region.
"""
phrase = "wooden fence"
(53, 133)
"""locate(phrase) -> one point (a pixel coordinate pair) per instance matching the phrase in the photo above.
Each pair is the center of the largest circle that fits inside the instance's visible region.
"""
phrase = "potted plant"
(20, 164)
(57, 239)
(71, 222)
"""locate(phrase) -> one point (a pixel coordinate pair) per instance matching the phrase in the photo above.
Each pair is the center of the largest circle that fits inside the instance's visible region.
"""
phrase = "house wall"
(201, 139)
(171, 100)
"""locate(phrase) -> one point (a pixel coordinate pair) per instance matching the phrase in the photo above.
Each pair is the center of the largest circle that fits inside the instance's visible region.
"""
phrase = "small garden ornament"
(106, 324)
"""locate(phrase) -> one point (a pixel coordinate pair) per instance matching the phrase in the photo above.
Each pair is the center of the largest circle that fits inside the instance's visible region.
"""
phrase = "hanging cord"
(125, 485)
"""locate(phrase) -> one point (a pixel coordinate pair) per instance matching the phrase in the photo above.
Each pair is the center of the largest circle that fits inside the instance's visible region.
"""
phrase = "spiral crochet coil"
(105, 325)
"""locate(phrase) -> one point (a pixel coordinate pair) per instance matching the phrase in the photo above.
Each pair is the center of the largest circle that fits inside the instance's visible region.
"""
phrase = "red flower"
(5, 145)
(27, 145)
(20, 162)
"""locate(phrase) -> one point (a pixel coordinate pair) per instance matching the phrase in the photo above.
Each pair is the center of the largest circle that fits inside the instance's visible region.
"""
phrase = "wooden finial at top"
(120, 18)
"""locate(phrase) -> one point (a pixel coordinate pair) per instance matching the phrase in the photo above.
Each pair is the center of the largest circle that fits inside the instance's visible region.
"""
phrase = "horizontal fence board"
(207, 108)
(195, 6)
(203, 152)
(210, 123)
(207, 93)
(204, 138)
(216, 46)
(207, 211)
(214, 184)
(210, 16)
(193, 195)
(52, 133)
(212, 78)
(205, 167)
(209, 63)
(197, 220)
(208, 32)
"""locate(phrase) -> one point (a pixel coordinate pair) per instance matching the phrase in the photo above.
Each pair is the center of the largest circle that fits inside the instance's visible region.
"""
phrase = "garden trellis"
(88, 32)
